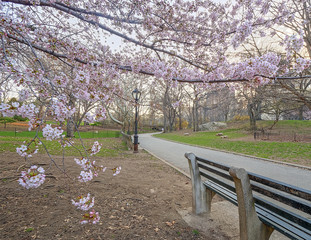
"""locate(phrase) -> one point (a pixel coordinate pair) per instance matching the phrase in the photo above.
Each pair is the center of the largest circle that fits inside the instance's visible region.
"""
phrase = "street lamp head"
(136, 94)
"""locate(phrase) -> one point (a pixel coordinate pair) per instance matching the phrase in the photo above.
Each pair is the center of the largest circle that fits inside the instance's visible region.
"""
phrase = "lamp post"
(136, 95)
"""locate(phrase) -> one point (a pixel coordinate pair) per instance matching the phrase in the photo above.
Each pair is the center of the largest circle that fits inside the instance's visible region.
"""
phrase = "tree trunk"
(226, 117)
(180, 118)
(195, 116)
(252, 117)
(300, 112)
(70, 128)
(70, 122)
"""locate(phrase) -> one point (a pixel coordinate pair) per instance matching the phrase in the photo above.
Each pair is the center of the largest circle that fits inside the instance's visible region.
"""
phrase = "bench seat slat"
(269, 217)
(296, 203)
(209, 162)
(267, 204)
(296, 191)
(219, 182)
(291, 230)
(215, 171)
(225, 193)
(283, 213)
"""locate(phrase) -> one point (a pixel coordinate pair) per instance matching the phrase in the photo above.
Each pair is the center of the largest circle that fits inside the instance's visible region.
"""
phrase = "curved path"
(173, 153)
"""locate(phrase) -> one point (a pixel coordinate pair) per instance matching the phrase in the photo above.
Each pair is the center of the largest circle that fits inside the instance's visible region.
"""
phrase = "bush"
(240, 118)
(184, 124)
(96, 124)
(7, 120)
(19, 118)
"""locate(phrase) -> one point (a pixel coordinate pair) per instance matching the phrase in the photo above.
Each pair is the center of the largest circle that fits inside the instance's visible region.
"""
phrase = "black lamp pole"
(136, 95)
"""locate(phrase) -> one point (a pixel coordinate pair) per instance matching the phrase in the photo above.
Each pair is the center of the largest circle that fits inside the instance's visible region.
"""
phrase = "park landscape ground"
(145, 201)
(288, 141)
(142, 202)
(60, 70)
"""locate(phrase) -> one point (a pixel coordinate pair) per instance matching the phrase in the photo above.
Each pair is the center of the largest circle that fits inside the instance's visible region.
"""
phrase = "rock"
(219, 134)
(224, 136)
(212, 126)
(186, 134)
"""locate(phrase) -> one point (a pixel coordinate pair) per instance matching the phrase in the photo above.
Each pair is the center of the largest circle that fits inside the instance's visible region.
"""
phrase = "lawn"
(294, 152)
(110, 146)
(89, 134)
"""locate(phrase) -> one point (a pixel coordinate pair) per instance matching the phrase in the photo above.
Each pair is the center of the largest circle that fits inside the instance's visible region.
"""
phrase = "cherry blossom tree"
(174, 41)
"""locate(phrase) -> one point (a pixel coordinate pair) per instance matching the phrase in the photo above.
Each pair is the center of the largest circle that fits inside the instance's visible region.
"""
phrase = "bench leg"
(251, 228)
(201, 197)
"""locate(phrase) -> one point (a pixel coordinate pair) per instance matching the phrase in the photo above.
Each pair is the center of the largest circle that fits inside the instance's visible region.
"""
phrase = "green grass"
(110, 146)
(91, 134)
(288, 125)
(286, 151)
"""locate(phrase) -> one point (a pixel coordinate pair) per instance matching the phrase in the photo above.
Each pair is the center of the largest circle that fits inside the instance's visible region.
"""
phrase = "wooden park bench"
(264, 204)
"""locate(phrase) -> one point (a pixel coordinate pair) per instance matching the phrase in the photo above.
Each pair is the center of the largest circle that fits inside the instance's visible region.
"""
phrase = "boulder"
(212, 126)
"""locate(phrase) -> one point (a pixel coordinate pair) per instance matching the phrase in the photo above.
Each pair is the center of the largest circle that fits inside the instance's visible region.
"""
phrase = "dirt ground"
(142, 202)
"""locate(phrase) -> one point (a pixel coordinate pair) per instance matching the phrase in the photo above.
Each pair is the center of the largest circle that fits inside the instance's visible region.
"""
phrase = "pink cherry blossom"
(95, 148)
(91, 217)
(51, 133)
(85, 176)
(116, 171)
(33, 178)
(84, 203)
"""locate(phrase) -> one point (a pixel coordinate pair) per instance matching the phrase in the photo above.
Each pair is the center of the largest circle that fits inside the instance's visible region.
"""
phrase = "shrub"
(7, 120)
(96, 124)
(19, 118)
(240, 117)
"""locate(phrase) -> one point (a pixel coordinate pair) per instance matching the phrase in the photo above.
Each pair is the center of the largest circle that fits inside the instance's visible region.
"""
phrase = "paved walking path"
(173, 153)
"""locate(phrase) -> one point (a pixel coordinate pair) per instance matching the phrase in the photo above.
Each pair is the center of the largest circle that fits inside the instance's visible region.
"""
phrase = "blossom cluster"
(26, 110)
(51, 133)
(33, 178)
(89, 118)
(91, 169)
(85, 176)
(84, 203)
(242, 32)
(84, 163)
(100, 114)
(266, 65)
(61, 110)
(91, 217)
(95, 148)
(293, 44)
(302, 64)
(24, 151)
(116, 171)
